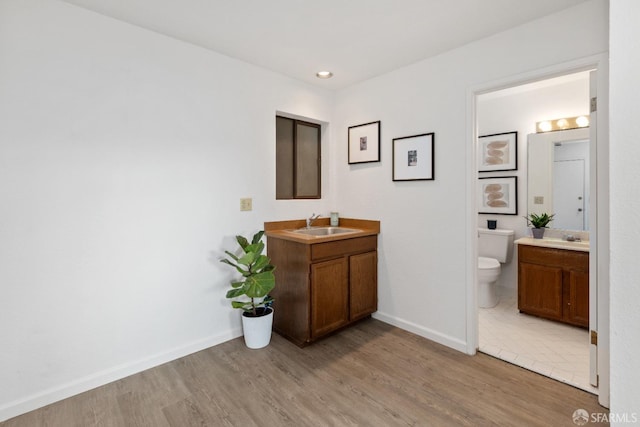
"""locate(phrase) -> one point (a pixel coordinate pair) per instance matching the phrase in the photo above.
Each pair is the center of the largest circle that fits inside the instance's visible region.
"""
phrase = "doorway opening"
(558, 350)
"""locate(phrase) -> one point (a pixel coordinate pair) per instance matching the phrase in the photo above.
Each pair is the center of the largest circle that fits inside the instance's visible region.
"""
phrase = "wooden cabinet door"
(363, 284)
(329, 296)
(577, 303)
(540, 290)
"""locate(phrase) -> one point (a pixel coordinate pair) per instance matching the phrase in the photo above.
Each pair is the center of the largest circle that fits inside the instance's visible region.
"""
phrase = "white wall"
(625, 207)
(424, 262)
(518, 109)
(123, 155)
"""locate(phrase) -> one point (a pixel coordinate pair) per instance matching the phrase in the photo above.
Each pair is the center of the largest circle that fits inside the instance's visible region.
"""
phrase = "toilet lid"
(486, 263)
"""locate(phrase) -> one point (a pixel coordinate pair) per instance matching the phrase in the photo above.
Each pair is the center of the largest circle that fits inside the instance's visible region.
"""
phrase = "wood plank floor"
(371, 374)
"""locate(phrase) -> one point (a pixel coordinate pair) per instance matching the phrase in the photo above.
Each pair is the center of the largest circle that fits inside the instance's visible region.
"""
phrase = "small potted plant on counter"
(539, 222)
(251, 293)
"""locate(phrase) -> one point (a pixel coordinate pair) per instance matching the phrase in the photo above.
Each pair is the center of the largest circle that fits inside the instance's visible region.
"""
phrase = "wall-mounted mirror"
(558, 177)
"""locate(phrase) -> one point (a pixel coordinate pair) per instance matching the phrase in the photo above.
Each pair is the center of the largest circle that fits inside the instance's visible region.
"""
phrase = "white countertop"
(550, 242)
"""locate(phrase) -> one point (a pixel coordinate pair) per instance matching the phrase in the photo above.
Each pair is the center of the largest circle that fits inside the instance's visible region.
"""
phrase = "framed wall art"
(498, 152)
(413, 158)
(364, 143)
(498, 195)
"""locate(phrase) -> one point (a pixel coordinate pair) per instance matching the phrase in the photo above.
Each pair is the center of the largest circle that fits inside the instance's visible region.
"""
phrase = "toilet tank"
(496, 244)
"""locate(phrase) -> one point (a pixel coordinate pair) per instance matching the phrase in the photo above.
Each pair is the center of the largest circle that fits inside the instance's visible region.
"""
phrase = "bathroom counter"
(549, 242)
(284, 230)
(553, 281)
(324, 283)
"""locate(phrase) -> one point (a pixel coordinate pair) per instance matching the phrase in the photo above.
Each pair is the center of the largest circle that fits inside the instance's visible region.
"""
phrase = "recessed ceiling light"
(324, 74)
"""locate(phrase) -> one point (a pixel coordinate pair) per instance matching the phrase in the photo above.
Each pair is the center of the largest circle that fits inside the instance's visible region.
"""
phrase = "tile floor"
(550, 348)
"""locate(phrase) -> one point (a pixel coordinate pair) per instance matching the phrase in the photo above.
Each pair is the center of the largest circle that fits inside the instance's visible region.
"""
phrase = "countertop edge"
(552, 243)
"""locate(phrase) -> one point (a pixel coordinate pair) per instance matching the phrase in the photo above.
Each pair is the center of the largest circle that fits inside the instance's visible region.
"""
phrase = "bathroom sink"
(325, 231)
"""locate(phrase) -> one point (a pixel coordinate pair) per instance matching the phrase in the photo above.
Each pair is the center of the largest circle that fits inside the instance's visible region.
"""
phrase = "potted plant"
(251, 292)
(539, 222)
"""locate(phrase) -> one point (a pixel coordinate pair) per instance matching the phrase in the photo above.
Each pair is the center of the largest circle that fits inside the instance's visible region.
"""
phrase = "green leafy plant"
(539, 221)
(257, 276)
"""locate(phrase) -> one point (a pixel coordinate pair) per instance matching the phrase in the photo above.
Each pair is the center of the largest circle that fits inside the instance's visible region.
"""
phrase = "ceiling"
(355, 39)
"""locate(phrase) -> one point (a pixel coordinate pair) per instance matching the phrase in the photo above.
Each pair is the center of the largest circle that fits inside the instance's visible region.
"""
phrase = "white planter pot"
(257, 330)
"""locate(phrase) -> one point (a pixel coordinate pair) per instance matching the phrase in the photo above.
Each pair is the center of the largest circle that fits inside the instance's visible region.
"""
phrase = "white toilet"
(494, 247)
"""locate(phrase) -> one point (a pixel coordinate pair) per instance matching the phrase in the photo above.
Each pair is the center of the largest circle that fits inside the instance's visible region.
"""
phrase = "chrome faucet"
(313, 218)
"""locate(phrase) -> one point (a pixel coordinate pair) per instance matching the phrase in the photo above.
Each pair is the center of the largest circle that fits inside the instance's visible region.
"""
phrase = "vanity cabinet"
(322, 287)
(554, 284)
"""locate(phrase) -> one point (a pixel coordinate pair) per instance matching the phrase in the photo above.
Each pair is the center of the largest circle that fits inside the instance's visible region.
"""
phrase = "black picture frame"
(364, 143)
(498, 152)
(498, 195)
(413, 158)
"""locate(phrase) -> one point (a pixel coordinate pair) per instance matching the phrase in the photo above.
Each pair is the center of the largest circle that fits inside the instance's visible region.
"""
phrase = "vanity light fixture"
(582, 121)
(543, 126)
(324, 74)
(562, 124)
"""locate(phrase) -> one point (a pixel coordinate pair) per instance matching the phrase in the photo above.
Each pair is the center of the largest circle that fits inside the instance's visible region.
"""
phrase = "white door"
(568, 194)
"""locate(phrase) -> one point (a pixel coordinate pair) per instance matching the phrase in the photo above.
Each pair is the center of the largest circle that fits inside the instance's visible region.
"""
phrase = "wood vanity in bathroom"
(323, 283)
(553, 280)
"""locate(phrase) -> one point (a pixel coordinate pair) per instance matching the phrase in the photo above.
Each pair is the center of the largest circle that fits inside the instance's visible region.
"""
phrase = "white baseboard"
(63, 391)
(430, 334)
(80, 385)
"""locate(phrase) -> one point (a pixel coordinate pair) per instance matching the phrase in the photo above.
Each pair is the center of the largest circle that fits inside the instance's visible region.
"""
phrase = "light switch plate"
(246, 204)
(538, 200)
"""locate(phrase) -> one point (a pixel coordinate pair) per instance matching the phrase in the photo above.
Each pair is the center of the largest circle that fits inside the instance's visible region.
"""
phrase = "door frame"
(598, 223)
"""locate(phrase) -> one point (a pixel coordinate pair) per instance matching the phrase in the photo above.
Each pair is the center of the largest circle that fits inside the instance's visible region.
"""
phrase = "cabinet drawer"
(344, 247)
(567, 259)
